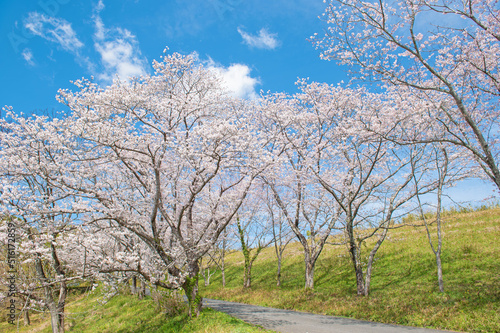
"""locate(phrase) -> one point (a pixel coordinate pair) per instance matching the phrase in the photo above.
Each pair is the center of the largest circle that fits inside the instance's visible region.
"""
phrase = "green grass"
(404, 288)
(404, 285)
(128, 314)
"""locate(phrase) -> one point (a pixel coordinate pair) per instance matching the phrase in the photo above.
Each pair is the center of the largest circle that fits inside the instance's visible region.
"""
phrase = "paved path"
(286, 321)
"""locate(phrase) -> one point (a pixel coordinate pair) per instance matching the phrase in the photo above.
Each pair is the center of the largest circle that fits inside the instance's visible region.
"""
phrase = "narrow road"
(287, 321)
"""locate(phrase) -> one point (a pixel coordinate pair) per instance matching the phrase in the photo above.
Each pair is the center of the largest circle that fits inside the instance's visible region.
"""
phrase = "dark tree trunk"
(134, 285)
(358, 269)
(26, 317)
(278, 273)
(142, 291)
(63, 293)
(247, 280)
(190, 287)
(309, 263)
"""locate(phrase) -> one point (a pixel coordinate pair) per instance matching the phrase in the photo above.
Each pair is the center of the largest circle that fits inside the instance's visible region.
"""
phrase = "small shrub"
(124, 289)
(409, 218)
(169, 302)
(468, 249)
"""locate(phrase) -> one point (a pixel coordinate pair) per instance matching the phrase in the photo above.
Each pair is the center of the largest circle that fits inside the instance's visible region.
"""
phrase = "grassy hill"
(404, 285)
(125, 313)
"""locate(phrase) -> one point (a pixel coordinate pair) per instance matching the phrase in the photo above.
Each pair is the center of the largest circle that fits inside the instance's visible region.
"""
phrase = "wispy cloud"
(58, 31)
(237, 79)
(264, 40)
(28, 56)
(119, 50)
(55, 30)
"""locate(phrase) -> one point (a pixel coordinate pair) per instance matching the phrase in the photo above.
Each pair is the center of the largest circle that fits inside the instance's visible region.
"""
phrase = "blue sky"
(256, 44)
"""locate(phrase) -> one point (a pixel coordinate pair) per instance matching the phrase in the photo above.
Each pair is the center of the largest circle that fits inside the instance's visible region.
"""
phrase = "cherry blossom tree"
(208, 266)
(253, 229)
(301, 199)
(446, 165)
(282, 234)
(217, 255)
(444, 53)
(170, 159)
(449, 168)
(343, 173)
(114, 255)
(33, 160)
(311, 219)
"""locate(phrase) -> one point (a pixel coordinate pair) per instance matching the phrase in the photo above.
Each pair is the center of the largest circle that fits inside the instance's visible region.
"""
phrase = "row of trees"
(140, 179)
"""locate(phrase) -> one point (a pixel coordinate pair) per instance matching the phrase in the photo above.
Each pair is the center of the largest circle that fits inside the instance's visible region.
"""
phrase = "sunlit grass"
(404, 286)
(128, 314)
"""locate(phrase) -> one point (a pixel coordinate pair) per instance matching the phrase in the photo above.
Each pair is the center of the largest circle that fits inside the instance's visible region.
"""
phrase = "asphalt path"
(287, 321)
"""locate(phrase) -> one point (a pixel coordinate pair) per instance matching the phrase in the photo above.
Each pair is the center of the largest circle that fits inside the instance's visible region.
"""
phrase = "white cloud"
(99, 7)
(54, 30)
(119, 50)
(237, 79)
(264, 40)
(58, 31)
(28, 56)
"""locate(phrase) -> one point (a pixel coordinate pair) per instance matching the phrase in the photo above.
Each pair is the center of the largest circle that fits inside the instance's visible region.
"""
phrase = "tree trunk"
(247, 279)
(223, 270)
(54, 319)
(371, 258)
(440, 272)
(134, 285)
(55, 316)
(247, 273)
(309, 263)
(190, 287)
(354, 253)
(206, 276)
(443, 171)
(368, 277)
(278, 273)
(358, 269)
(142, 291)
(223, 256)
(26, 317)
(360, 284)
(439, 231)
(63, 292)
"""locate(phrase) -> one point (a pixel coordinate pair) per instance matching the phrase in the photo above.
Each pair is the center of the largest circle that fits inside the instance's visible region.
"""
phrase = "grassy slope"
(127, 314)
(404, 284)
